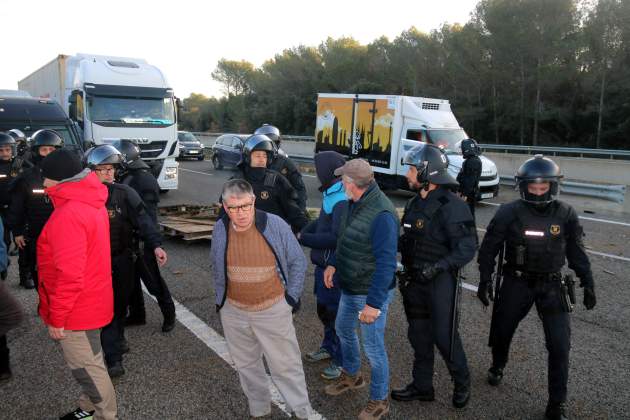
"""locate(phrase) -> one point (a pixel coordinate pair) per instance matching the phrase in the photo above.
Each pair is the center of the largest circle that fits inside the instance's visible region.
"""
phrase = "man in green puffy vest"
(365, 262)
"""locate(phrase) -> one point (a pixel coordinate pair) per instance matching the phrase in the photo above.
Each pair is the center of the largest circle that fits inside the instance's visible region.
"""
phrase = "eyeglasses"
(105, 170)
(244, 208)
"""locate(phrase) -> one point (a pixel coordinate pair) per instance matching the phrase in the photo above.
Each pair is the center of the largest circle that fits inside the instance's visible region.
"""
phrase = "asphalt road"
(178, 375)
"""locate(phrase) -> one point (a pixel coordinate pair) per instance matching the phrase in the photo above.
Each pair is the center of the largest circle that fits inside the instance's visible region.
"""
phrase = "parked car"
(189, 146)
(227, 150)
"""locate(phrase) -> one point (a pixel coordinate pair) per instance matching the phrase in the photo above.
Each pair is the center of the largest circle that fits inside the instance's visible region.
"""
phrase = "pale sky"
(185, 38)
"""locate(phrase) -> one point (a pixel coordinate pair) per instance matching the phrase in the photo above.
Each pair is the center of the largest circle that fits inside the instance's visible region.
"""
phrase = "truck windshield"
(151, 111)
(448, 140)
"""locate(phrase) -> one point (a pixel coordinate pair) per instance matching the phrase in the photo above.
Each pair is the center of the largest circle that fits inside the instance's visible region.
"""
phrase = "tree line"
(539, 72)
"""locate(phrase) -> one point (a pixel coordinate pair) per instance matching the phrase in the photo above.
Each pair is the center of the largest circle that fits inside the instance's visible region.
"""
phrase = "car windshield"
(159, 111)
(187, 138)
(448, 140)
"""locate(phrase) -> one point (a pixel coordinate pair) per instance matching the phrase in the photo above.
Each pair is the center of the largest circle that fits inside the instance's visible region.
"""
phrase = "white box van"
(381, 128)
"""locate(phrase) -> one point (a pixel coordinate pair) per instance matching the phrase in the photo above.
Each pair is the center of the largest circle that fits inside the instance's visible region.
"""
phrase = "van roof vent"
(428, 105)
(126, 64)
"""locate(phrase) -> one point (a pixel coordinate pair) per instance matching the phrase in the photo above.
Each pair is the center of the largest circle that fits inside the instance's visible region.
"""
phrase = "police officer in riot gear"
(470, 173)
(280, 162)
(137, 174)
(536, 233)
(7, 173)
(439, 239)
(30, 208)
(22, 157)
(274, 193)
(127, 219)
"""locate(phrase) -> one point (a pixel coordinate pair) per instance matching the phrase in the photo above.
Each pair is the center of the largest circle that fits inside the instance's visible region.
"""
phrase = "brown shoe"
(375, 410)
(345, 383)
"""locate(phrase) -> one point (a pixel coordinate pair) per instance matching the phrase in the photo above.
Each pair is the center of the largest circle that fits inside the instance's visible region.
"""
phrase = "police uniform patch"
(264, 195)
(419, 223)
(554, 229)
(284, 171)
(111, 213)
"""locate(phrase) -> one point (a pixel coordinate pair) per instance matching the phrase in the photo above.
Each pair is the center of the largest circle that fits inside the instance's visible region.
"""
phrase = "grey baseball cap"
(357, 169)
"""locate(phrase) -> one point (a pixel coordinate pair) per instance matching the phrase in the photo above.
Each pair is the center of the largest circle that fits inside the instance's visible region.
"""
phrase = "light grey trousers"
(270, 332)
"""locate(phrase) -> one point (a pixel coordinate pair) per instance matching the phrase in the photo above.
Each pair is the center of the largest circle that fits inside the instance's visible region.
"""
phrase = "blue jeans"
(373, 338)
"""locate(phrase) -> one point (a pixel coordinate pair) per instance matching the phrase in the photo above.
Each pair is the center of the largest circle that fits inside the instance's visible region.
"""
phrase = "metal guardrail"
(559, 151)
(614, 193)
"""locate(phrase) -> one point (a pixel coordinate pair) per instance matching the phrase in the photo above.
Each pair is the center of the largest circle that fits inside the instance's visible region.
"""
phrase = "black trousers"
(148, 270)
(30, 251)
(122, 282)
(516, 299)
(428, 307)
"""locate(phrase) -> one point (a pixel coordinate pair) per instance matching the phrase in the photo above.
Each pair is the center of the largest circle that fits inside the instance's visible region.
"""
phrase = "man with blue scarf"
(321, 236)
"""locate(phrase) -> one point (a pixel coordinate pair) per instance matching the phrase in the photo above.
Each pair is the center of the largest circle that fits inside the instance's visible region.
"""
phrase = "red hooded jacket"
(73, 257)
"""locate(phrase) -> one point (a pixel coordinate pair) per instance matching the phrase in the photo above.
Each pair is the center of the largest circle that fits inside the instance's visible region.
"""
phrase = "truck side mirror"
(75, 108)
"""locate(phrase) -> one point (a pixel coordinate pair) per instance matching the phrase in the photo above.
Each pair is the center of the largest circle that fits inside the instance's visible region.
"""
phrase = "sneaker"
(375, 409)
(317, 356)
(78, 414)
(345, 383)
(331, 372)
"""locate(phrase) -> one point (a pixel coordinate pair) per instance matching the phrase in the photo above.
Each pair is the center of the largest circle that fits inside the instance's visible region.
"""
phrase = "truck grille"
(152, 150)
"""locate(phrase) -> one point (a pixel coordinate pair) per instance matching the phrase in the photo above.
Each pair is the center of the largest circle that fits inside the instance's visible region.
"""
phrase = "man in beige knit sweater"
(258, 269)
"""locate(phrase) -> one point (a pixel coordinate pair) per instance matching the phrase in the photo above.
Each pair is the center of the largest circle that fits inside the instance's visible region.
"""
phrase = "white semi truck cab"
(116, 98)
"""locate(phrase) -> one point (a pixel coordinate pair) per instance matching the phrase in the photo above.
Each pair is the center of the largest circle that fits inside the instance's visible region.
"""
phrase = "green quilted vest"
(355, 261)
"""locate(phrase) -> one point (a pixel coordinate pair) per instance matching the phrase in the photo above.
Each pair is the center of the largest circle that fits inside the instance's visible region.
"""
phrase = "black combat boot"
(115, 369)
(461, 395)
(556, 411)
(5, 368)
(26, 281)
(495, 375)
(169, 321)
(411, 393)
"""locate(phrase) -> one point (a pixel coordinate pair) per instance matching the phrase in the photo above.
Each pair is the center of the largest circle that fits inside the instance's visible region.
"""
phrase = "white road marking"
(215, 342)
(592, 219)
(196, 172)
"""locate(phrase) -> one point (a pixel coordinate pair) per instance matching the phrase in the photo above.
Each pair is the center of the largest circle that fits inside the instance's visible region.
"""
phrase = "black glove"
(484, 292)
(589, 297)
(431, 271)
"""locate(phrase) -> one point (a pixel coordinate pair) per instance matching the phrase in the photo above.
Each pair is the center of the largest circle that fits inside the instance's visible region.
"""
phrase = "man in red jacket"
(74, 265)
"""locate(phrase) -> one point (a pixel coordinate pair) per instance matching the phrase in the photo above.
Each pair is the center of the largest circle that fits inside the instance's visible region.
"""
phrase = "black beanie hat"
(61, 164)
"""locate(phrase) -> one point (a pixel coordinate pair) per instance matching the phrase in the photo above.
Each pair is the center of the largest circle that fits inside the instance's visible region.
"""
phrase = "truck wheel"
(216, 162)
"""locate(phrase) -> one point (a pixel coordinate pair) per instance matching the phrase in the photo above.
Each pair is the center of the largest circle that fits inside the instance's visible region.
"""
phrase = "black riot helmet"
(432, 165)
(537, 170)
(270, 131)
(17, 135)
(6, 139)
(470, 148)
(104, 154)
(44, 137)
(130, 153)
(258, 142)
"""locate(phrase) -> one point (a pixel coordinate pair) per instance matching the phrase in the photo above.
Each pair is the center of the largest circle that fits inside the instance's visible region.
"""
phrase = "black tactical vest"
(418, 244)
(5, 179)
(268, 194)
(120, 227)
(38, 205)
(540, 246)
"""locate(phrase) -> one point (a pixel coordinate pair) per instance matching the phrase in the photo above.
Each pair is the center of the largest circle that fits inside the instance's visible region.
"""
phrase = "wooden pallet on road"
(189, 222)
